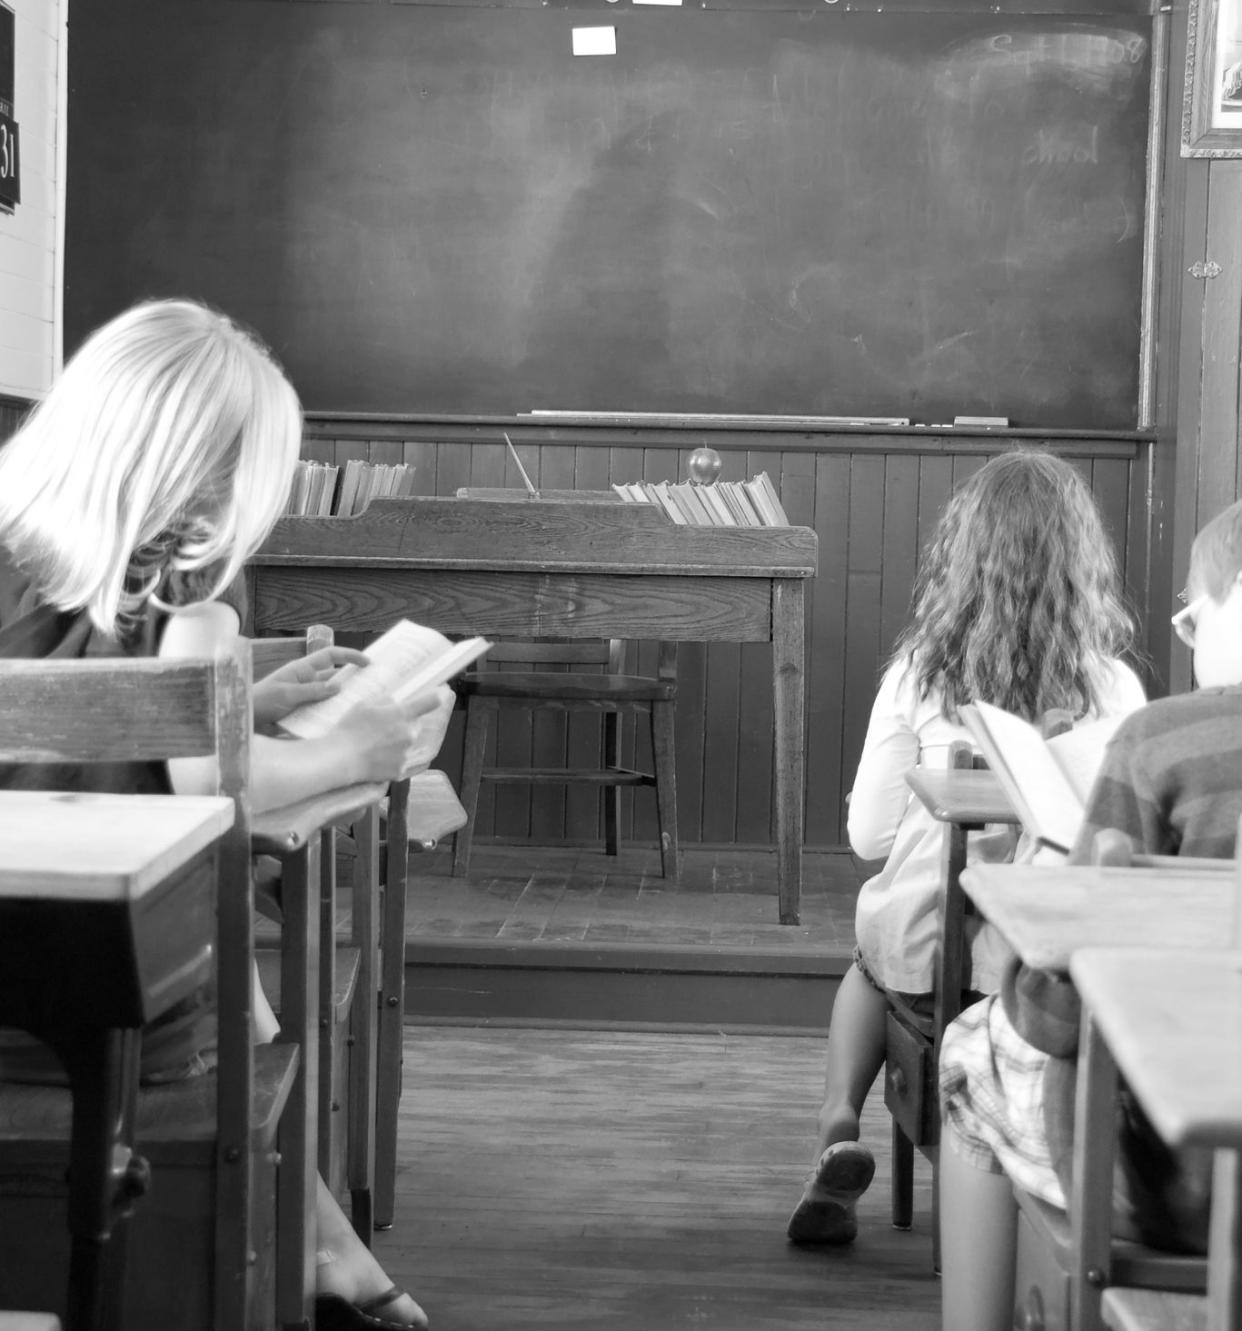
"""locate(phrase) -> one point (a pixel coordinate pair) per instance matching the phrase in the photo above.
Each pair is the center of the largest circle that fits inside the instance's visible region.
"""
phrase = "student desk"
(528, 568)
(1172, 1022)
(966, 800)
(107, 918)
(1047, 914)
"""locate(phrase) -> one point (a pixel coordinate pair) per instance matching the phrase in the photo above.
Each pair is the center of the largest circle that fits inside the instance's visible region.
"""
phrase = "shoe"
(334, 1313)
(825, 1215)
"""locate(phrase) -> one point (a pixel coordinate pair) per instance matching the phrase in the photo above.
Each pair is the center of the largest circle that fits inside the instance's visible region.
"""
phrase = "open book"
(407, 660)
(1047, 780)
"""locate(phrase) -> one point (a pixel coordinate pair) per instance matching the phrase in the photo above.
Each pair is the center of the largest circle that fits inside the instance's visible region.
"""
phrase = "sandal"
(826, 1213)
(335, 1313)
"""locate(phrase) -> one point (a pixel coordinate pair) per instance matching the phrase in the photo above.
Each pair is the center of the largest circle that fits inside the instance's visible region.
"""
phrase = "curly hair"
(1018, 595)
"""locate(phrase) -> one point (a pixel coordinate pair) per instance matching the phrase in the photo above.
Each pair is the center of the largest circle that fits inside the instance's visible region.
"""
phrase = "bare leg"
(978, 1244)
(843, 1169)
(856, 1042)
(346, 1265)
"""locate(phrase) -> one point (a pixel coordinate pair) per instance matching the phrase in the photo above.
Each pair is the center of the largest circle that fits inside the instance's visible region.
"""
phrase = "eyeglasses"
(1184, 621)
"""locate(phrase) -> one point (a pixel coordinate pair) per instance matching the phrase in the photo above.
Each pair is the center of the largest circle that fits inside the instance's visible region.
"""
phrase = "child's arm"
(375, 742)
(308, 679)
(880, 795)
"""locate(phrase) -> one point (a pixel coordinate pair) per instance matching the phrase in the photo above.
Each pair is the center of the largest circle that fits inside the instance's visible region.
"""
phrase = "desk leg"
(1225, 1244)
(1091, 1191)
(789, 695)
(103, 1069)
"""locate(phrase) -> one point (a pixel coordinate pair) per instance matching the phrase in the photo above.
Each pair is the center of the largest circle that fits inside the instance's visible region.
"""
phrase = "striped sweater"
(1172, 781)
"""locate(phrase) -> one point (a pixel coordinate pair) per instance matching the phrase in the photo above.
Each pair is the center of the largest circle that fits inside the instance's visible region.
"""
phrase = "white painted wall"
(30, 239)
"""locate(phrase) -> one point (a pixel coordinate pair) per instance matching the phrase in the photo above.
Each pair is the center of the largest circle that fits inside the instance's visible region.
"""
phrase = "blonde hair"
(167, 445)
(1018, 595)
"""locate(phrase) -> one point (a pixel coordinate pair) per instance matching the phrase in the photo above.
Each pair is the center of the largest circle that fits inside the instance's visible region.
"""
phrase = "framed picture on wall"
(1212, 111)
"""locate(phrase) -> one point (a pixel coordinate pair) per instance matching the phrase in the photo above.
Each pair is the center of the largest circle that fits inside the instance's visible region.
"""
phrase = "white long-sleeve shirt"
(895, 919)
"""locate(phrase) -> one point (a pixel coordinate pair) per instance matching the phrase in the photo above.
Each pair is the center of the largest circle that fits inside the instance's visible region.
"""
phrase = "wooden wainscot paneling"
(872, 496)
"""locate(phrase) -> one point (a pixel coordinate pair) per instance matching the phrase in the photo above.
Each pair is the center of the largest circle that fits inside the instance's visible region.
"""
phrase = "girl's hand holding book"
(393, 739)
(309, 679)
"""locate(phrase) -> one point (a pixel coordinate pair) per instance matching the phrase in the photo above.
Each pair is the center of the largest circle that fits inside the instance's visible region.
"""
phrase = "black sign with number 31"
(10, 173)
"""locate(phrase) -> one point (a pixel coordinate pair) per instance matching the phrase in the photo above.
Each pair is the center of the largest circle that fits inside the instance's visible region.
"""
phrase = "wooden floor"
(569, 1179)
(725, 897)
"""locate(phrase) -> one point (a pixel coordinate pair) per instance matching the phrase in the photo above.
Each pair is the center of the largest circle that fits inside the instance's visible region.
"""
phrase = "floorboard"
(579, 1179)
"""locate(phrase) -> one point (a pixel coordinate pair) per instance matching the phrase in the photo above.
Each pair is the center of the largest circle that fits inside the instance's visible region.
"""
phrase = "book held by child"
(1047, 780)
(407, 660)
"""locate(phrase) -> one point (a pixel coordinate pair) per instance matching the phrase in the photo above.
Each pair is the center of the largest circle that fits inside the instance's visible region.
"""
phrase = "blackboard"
(439, 209)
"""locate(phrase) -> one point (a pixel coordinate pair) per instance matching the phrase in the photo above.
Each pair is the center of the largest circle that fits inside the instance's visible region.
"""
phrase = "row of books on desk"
(752, 503)
(323, 490)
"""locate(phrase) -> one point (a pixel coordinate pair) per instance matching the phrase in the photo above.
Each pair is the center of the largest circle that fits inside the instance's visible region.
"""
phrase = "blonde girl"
(1017, 602)
(129, 503)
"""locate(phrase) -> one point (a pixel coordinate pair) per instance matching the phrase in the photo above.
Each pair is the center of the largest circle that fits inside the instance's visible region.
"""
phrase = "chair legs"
(662, 714)
(665, 782)
(391, 1005)
(299, 1017)
(471, 779)
(612, 794)
(360, 1150)
(903, 1179)
(327, 994)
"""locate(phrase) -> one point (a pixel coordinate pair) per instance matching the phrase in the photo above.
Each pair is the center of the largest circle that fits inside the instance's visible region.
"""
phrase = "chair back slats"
(105, 711)
(269, 653)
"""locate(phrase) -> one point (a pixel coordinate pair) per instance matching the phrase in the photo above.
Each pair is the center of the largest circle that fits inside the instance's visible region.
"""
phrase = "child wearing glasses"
(1172, 782)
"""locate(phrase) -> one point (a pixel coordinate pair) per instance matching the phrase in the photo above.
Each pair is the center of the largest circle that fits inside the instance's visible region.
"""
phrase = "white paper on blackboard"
(595, 41)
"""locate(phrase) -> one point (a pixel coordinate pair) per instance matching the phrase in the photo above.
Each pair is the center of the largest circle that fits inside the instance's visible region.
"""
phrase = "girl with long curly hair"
(1018, 603)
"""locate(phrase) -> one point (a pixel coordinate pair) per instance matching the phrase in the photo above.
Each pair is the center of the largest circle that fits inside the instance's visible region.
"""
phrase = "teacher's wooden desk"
(107, 918)
(1171, 1023)
(528, 568)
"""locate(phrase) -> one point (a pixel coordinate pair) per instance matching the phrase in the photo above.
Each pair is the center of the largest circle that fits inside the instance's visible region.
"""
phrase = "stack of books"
(321, 490)
(752, 503)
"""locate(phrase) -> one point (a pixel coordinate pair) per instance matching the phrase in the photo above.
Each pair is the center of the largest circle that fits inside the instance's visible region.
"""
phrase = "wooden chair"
(211, 1236)
(1066, 1261)
(510, 677)
(913, 1039)
(304, 843)
(912, 1060)
(370, 830)
(421, 812)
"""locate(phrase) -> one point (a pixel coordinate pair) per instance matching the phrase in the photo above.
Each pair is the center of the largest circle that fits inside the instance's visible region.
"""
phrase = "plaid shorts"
(992, 1100)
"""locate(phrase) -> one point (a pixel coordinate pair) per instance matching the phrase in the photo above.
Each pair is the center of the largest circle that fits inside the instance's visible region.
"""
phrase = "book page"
(407, 660)
(1080, 752)
(1041, 793)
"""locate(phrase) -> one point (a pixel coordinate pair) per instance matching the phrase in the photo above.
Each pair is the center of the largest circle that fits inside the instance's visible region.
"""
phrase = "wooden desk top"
(539, 536)
(86, 847)
(1047, 914)
(964, 796)
(1173, 1021)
